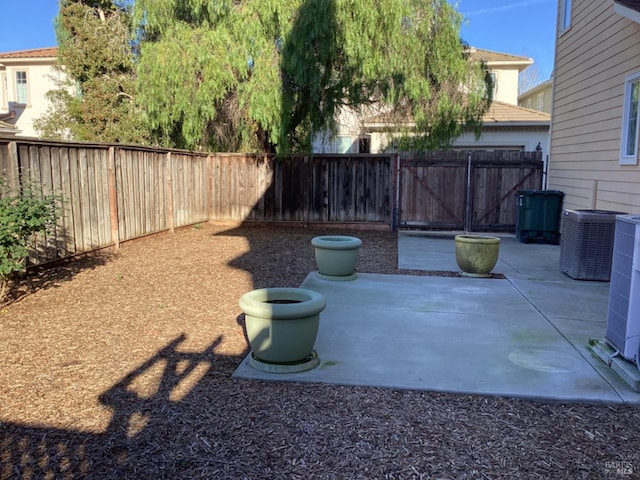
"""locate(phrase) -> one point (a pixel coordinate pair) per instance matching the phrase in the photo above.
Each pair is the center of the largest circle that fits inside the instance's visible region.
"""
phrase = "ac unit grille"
(623, 317)
(587, 244)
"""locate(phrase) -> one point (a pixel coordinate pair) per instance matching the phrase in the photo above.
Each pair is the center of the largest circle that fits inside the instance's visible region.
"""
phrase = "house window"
(364, 144)
(565, 15)
(21, 87)
(540, 100)
(630, 123)
(494, 80)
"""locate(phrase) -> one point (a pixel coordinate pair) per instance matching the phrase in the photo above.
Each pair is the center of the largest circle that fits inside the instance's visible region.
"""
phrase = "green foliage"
(257, 74)
(57, 122)
(23, 215)
(96, 52)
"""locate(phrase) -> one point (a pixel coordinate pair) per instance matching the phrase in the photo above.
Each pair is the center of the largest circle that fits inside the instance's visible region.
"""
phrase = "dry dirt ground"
(118, 366)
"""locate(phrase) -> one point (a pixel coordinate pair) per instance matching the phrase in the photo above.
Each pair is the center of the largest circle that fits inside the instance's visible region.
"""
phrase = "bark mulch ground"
(118, 366)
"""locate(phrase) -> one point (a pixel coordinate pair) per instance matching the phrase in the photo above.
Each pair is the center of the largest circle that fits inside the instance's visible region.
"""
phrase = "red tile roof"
(33, 53)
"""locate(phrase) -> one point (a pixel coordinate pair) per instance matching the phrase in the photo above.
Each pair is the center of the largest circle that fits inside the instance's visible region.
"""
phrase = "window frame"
(629, 83)
(565, 16)
(494, 79)
(26, 87)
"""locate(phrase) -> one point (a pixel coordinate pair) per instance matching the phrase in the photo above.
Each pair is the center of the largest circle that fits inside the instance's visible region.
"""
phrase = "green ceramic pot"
(282, 323)
(476, 255)
(336, 256)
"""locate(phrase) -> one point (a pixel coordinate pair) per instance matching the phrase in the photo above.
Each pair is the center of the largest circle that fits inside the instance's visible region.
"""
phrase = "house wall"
(593, 58)
(525, 139)
(346, 140)
(538, 98)
(506, 84)
(40, 79)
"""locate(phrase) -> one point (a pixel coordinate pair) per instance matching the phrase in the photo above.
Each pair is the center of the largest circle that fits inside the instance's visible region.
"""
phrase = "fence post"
(468, 204)
(169, 171)
(395, 211)
(14, 180)
(209, 177)
(113, 197)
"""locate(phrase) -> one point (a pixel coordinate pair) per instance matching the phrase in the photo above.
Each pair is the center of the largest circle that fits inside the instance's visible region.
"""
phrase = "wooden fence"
(114, 193)
(322, 188)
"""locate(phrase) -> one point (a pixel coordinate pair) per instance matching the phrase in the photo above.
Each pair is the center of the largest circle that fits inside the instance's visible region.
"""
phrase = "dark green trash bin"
(538, 215)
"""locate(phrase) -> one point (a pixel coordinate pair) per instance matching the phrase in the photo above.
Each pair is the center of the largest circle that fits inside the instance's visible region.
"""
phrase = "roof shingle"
(504, 112)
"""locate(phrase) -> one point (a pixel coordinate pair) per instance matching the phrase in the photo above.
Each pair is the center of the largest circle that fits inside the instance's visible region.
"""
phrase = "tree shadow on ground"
(156, 413)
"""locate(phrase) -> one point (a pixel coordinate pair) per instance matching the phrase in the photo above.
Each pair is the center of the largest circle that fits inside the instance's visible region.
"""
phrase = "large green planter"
(282, 325)
(476, 255)
(336, 256)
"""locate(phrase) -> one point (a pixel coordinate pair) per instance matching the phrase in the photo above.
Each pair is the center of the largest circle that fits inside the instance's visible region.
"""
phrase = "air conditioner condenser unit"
(623, 316)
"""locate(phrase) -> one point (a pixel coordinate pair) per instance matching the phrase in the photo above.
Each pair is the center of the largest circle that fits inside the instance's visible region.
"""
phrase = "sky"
(517, 27)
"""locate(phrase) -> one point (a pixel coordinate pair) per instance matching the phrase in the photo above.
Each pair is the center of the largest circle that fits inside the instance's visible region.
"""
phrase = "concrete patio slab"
(524, 336)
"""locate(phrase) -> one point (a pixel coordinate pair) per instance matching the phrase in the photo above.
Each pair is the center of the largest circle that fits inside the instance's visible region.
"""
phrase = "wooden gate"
(472, 191)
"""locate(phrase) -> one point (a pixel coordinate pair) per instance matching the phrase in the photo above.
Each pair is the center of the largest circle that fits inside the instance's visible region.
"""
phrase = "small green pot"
(282, 323)
(336, 256)
(476, 255)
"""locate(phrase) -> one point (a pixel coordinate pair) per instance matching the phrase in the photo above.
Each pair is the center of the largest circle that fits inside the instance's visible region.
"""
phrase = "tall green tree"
(95, 51)
(262, 74)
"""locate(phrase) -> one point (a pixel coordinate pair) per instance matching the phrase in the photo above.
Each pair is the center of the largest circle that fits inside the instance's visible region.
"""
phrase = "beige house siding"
(593, 58)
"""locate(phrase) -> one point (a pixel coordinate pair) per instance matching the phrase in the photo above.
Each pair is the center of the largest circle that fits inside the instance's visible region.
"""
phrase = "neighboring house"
(25, 77)
(596, 110)
(505, 70)
(539, 98)
(509, 127)
(506, 125)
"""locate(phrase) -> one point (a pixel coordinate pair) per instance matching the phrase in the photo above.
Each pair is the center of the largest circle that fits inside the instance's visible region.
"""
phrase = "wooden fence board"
(74, 200)
(56, 181)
